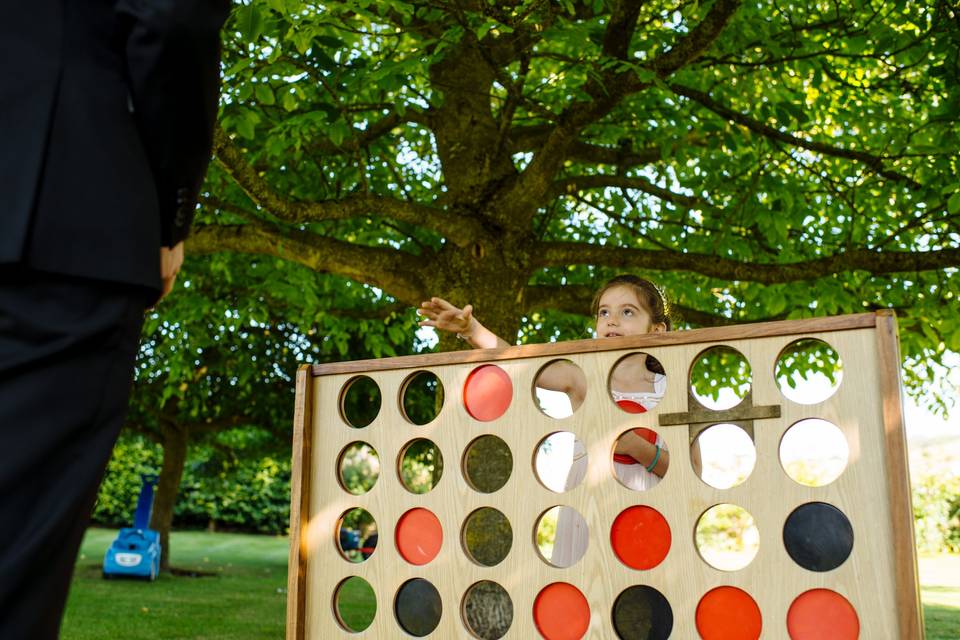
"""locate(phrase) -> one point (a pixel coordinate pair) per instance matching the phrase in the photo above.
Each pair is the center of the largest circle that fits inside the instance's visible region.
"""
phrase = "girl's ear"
(660, 327)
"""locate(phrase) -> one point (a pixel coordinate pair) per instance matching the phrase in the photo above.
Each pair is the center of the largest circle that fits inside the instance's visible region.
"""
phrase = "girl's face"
(620, 313)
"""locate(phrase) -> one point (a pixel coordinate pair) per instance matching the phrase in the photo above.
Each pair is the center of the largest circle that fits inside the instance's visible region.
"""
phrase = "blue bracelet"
(656, 458)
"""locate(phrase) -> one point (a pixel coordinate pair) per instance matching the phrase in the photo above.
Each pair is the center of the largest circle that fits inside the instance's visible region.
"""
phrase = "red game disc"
(822, 614)
(728, 613)
(419, 536)
(640, 537)
(487, 392)
(561, 612)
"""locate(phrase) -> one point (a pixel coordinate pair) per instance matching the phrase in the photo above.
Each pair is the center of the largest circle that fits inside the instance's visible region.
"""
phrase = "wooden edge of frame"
(898, 480)
(712, 334)
(299, 505)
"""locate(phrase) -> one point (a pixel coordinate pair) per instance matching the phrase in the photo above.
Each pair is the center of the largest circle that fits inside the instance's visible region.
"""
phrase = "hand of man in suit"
(171, 259)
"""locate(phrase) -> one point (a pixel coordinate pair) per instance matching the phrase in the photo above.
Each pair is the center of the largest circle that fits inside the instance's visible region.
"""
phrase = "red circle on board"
(561, 612)
(822, 614)
(419, 536)
(728, 613)
(640, 537)
(631, 407)
(487, 392)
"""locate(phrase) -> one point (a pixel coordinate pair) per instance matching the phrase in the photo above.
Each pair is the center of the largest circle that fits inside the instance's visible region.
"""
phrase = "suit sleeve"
(173, 66)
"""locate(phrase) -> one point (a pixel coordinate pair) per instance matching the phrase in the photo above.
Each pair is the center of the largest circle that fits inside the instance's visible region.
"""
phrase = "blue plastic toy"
(136, 551)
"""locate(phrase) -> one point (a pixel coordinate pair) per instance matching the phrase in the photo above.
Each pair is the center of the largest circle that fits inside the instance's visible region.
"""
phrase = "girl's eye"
(603, 313)
(628, 312)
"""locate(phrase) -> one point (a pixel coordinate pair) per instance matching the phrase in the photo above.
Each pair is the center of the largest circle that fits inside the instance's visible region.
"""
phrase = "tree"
(218, 359)
(761, 161)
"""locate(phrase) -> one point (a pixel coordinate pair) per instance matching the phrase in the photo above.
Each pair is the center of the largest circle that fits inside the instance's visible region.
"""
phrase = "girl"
(625, 306)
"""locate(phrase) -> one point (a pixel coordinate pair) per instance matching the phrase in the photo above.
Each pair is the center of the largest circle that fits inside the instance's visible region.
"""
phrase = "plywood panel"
(867, 578)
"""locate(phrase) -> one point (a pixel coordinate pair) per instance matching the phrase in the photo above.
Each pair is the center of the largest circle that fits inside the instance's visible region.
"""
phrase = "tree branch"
(572, 184)
(556, 254)
(394, 271)
(536, 180)
(461, 230)
(688, 48)
(872, 161)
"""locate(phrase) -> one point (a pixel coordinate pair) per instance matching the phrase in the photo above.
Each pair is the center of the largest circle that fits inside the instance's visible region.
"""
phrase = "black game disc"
(642, 613)
(818, 536)
(418, 607)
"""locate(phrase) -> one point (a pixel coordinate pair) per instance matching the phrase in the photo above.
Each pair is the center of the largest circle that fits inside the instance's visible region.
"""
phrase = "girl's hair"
(649, 295)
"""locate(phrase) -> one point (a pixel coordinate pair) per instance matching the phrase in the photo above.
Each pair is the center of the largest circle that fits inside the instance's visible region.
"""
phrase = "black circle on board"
(418, 607)
(818, 536)
(642, 613)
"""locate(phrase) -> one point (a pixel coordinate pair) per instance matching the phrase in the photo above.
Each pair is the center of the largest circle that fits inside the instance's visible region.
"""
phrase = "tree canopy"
(759, 160)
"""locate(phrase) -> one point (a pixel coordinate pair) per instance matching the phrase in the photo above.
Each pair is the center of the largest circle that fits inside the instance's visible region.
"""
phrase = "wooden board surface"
(868, 578)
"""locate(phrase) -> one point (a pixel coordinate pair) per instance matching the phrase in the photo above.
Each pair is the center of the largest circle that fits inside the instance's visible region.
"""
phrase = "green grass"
(245, 599)
(940, 593)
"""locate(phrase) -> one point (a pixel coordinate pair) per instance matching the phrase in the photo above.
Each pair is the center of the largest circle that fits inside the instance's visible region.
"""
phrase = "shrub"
(250, 495)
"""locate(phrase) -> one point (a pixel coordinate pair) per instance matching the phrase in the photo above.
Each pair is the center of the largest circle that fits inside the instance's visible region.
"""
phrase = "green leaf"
(330, 42)
(265, 94)
(250, 22)
(953, 204)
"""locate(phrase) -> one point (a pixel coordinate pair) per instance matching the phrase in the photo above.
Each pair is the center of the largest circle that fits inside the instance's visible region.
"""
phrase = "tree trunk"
(175, 440)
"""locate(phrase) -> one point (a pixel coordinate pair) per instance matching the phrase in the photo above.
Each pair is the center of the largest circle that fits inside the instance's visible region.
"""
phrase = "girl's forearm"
(480, 337)
(644, 452)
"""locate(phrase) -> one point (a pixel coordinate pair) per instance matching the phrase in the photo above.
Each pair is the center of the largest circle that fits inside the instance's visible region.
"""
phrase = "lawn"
(245, 597)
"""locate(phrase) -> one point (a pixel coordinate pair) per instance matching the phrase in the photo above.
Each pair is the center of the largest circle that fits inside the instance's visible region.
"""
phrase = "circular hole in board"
(637, 383)
(418, 607)
(487, 610)
(636, 450)
(420, 465)
(818, 536)
(720, 378)
(356, 535)
(487, 392)
(419, 536)
(560, 461)
(359, 468)
(727, 455)
(814, 452)
(355, 604)
(421, 397)
(808, 371)
(487, 464)
(561, 536)
(642, 613)
(822, 614)
(561, 612)
(487, 536)
(727, 537)
(640, 537)
(559, 388)
(728, 613)
(360, 401)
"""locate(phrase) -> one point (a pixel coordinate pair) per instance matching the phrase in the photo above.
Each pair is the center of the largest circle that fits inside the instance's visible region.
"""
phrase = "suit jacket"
(107, 110)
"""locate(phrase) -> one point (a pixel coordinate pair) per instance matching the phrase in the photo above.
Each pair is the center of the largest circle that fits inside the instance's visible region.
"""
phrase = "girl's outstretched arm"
(444, 316)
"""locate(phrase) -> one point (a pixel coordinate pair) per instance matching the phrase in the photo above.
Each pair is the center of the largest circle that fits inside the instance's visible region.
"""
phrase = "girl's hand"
(446, 317)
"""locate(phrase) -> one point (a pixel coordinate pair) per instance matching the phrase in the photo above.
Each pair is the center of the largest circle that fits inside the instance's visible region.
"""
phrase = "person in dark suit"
(107, 109)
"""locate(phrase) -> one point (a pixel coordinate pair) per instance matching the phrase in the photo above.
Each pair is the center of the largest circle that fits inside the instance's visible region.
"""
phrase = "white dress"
(635, 476)
(572, 534)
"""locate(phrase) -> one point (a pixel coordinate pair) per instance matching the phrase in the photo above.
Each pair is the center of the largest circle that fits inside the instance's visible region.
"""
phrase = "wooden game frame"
(882, 324)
